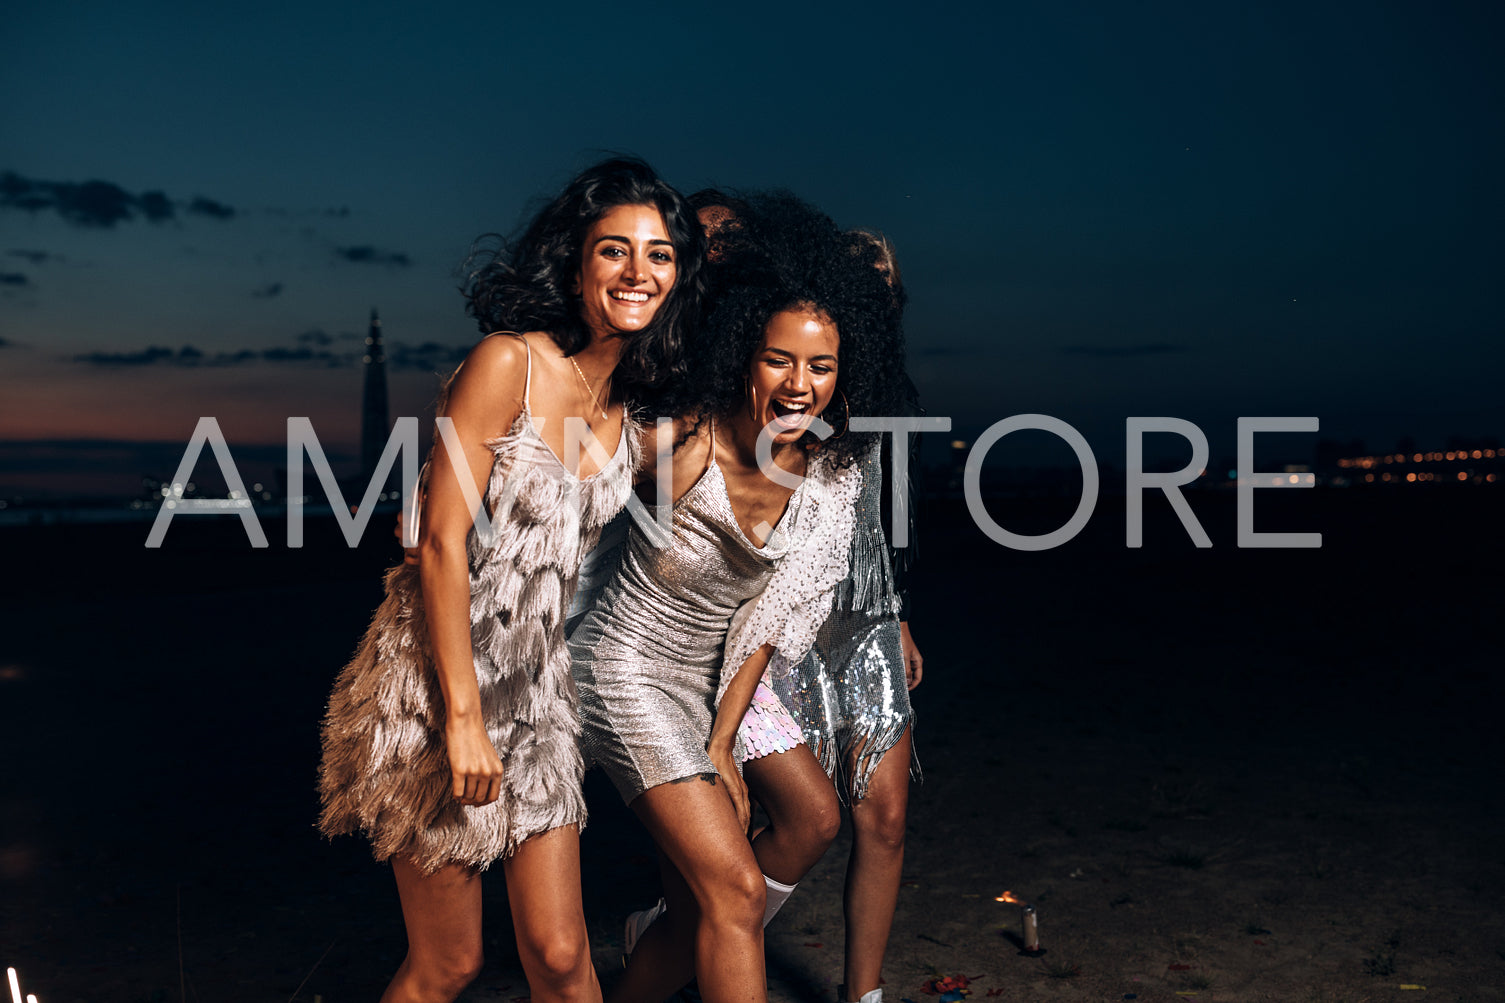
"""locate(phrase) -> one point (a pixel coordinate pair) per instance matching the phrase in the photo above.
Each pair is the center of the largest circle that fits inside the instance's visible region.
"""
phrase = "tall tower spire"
(375, 424)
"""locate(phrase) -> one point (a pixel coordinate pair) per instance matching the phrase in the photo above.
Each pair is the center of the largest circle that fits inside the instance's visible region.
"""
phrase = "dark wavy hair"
(526, 284)
(784, 253)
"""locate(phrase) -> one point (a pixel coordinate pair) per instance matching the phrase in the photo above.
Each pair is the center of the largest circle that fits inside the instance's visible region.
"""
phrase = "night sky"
(1102, 210)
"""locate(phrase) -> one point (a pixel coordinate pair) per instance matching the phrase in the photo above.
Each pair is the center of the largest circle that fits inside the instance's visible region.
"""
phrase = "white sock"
(778, 894)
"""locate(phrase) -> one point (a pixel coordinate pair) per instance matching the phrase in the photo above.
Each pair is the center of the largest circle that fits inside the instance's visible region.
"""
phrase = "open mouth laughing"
(790, 415)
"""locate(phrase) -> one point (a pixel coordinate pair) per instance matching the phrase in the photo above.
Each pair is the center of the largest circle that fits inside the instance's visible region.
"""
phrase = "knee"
(557, 957)
(880, 823)
(738, 899)
(444, 977)
(820, 824)
(811, 824)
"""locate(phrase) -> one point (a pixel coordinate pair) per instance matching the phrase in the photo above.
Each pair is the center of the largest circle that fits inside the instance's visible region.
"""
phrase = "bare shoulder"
(498, 356)
(683, 441)
(489, 384)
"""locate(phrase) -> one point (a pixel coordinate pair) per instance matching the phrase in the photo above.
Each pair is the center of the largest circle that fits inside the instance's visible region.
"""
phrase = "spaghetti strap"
(711, 458)
(528, 379)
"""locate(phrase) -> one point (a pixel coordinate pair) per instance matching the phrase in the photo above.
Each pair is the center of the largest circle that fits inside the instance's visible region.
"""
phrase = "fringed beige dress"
(385, 769)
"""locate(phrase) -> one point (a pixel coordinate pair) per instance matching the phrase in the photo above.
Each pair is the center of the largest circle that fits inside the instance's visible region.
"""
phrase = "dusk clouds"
(314, 348)
(99, 204)
(188, 356)
(429, 356)
(365, 254)
(201, 206)
(33, 256)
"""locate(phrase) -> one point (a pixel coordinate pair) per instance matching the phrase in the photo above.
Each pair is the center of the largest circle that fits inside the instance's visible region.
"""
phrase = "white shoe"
(638, 922)
(875, 996)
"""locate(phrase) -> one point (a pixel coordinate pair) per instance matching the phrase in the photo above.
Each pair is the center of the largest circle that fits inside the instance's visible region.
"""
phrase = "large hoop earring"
(752, 412)
(846, 416)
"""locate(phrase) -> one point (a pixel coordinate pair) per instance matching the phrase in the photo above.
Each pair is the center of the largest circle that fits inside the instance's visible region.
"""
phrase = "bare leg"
(874, 869)
(543, 888)
(803, 812)
(664, 959)
(715, 885)
(442, 912)
(804, 817)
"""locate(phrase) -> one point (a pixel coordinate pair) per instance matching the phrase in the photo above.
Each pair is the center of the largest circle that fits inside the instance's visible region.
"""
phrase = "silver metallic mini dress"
(385, 768)
(648, 654)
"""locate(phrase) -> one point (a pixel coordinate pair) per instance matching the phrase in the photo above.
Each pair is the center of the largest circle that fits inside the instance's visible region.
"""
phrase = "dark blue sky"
(1101, 209)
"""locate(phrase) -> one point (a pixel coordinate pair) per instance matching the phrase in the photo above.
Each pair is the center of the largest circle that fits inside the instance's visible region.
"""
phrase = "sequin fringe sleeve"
(849, 692)
(798, 597)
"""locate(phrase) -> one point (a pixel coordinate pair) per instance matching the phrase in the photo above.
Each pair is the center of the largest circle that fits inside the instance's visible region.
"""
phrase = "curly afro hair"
(782, 253)
(527, 284)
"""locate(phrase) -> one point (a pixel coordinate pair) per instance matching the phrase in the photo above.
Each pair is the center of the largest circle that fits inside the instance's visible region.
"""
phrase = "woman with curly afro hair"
(851, 694)
(762, 476)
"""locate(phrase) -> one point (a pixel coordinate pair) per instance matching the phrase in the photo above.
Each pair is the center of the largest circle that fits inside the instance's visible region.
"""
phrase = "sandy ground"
(1220, 775)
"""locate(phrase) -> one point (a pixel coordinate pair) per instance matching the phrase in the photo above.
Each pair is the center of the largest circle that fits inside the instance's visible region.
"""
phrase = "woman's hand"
(914, 663)
(725, 761)
(723, 741)
(475, 768)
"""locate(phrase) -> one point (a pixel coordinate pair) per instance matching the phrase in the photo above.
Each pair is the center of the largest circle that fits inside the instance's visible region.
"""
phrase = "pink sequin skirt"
(767, 727)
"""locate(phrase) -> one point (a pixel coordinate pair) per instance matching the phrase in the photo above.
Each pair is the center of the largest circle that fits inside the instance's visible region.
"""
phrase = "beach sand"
(1219, 774)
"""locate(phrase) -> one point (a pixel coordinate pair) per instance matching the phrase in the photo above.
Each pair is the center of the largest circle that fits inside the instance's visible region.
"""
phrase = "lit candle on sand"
(1030, 927)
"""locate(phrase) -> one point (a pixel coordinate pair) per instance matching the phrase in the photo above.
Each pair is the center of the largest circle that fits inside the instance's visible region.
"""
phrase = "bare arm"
(484, 400)
(729, 714)
(914, 662)
(687, 462)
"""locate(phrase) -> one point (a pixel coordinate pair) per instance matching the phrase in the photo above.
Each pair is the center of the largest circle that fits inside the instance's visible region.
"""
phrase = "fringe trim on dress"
(385, 769)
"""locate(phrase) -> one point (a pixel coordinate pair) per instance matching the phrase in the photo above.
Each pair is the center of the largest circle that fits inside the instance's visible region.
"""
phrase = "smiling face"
(793, 373)
(627, 268)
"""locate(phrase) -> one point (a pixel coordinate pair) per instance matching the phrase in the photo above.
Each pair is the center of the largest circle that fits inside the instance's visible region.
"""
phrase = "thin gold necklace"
(590, 389)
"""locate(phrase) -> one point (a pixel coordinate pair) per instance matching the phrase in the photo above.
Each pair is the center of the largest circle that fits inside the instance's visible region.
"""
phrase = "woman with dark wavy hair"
(451, 738)
(761, 508)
